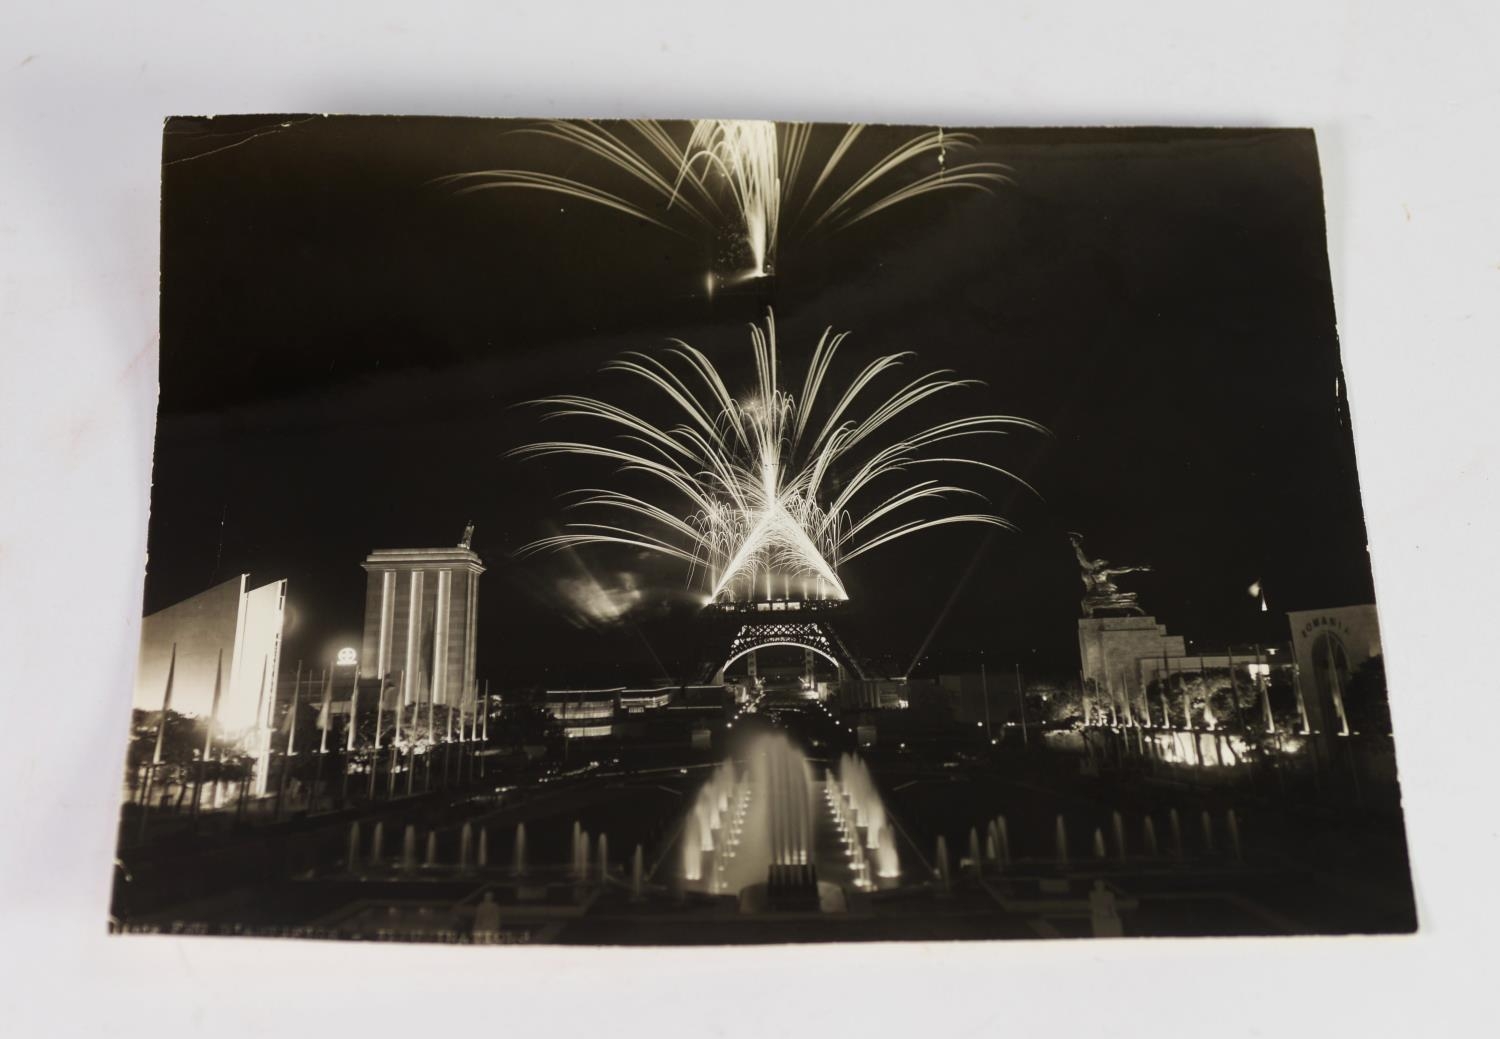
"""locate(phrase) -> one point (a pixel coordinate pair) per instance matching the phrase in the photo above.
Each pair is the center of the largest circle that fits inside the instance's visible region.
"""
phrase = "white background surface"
(1404, 99)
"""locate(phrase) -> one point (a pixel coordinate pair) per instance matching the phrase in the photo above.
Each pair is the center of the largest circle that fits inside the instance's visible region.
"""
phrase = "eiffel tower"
(738, 628)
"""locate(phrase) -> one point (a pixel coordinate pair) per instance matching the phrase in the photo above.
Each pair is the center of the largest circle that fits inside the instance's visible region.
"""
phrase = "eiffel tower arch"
(742, 628)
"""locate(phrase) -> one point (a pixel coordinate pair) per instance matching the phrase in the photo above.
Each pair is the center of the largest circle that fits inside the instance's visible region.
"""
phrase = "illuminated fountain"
(762, 812)
(855, 787)
(692, 851)
(409, 849)
(465, 846)
(713, 826)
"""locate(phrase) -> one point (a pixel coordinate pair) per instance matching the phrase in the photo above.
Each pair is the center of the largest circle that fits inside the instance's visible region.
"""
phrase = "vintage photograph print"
(717, 532)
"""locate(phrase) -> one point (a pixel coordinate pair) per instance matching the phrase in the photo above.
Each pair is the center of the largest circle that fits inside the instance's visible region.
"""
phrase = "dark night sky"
(342, 341)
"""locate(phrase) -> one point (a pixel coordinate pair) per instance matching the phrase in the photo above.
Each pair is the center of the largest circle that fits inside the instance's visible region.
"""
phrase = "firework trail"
(753, 177)
(768, 494)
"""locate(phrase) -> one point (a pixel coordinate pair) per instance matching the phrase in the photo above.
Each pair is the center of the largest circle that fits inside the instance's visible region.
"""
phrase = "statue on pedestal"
(1100, 593)
(468, 539)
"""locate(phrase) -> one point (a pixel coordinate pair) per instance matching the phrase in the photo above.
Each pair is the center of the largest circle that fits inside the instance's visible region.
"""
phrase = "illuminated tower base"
(741, 628)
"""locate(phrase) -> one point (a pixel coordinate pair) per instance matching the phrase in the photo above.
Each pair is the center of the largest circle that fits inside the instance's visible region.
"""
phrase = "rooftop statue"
(1100, 593)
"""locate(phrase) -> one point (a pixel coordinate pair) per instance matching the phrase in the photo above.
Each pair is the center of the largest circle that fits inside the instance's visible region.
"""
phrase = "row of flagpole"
(1117, 710)
(473, 727)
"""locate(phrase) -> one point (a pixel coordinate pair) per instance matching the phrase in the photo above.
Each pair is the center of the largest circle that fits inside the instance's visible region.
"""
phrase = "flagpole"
(208, 735)
(400, 699)
(485, 735)
(323, 721)
(1021, 699)
(463, 737)
(161, 734)
(432, 733)
(323, 711)
(291, 736)
(468, 726)
(261, 738)
(379, 723)
(400, 705)
(349, 741)
(984, 691)
(447, 740)
(416, 712)
(1263, 681)
(1337, 690)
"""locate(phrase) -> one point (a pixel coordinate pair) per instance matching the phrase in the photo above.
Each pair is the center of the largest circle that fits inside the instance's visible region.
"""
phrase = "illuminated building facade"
(592, 713)
(1330, 645)
(584, 713)
(228, 637)
(421, 605)
(220, 651)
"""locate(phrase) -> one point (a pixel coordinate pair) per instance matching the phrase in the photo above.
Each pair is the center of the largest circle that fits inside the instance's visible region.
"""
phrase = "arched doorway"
(1331, 674)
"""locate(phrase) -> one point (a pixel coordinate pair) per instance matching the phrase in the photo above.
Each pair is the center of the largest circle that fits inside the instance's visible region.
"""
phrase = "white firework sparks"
(747, 174)
(775, 491)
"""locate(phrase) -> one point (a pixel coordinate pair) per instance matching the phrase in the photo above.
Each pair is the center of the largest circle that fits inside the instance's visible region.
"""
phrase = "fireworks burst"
(742, 174)
(775, 491)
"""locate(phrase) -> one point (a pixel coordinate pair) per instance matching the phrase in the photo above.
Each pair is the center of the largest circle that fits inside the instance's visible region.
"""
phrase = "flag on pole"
(431, 729)
(263, 713)
(380, 707)
(1258, 592)
(353, 711)
(213, 711)
(161, 732)
(166, 705)
(325, 711)
(400, 699)
(291, 713)
(208, 733)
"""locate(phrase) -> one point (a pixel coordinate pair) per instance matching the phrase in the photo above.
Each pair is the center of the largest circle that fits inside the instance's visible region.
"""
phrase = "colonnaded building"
(421, 605)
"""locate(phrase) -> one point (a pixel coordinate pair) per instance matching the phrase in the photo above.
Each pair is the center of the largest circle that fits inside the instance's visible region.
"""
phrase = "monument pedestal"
(1112, 650)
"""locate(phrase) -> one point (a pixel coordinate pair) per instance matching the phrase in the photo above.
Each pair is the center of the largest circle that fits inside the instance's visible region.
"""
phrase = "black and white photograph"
(732, 532)
(782, 519)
